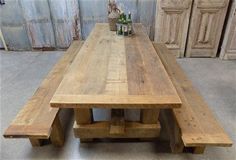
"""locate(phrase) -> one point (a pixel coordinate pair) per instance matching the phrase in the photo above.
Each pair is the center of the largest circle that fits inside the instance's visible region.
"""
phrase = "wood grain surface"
(198, 125)
(113, 71)
(36, 118)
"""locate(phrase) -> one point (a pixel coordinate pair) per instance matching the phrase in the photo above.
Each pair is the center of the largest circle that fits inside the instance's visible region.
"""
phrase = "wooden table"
(117, 73)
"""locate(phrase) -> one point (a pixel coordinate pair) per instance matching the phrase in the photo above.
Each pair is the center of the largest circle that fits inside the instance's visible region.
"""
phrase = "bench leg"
(36, 142)
(174, 132)
(199, 150)
(57, 135)
(84, 116)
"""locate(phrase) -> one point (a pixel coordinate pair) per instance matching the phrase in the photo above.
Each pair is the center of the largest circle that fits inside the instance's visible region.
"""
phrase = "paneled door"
(206, 26)
(228, 49)
(172, 21)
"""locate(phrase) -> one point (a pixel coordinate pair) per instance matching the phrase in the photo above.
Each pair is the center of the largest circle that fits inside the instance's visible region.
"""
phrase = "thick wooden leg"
(199, 150)
(84, 116)
(149, 116)
(117, 121)
(36, 142)
(57, 135)
(173, 130)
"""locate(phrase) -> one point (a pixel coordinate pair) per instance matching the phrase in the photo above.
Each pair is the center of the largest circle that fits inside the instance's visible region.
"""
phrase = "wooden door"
(228, 49)
(207, 20)
(172, 21)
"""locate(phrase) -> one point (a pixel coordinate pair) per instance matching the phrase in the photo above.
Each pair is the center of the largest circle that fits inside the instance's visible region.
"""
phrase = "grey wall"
(32, 24)
(93, 11)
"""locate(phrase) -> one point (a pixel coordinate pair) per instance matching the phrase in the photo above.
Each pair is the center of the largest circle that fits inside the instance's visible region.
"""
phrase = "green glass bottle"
(119, 26)
(125, 27)
(129, 21)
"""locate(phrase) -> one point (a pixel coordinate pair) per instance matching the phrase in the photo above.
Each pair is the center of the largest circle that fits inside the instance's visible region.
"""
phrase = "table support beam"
(149, 116)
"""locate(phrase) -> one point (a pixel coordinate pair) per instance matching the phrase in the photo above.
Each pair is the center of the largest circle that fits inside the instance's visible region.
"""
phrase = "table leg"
(117, 122)
(149, 116)
(84, 116)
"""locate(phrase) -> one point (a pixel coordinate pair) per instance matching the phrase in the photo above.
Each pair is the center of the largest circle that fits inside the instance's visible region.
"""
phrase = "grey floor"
(22, 72)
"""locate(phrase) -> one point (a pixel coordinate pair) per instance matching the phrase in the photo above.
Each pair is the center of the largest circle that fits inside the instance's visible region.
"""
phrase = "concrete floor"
(22, 72)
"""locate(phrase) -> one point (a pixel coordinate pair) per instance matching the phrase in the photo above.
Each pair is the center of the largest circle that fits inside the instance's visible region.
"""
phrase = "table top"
(112, 71)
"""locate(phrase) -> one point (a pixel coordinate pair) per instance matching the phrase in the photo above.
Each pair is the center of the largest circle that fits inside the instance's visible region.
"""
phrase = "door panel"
(206, 26)
(228, 50)
(172, 21)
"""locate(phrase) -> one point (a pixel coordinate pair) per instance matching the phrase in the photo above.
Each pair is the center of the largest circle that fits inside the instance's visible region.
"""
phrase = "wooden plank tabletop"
(113, 71)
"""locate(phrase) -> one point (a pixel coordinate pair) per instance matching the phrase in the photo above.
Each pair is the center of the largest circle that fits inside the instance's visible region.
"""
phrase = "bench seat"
(37, 120)
(196, 127)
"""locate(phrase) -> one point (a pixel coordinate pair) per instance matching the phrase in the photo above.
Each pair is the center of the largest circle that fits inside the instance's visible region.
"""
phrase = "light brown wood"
(117, 125)
(172, 21)
(35, 120)
(102, 130)
(168, 121)
(108, 101)
(149, 116)
(195, 119)
(57, 136)
(36, 142)
(83, 116)
(199, 150)
(206, 26)
(113, 71)
(228, 49)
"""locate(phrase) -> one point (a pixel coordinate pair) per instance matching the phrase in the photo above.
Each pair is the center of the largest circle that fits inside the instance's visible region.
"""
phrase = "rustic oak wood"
(37, 120)
(169, 122)
(117, 125)
(83, 116)
(207, 20)
(102, 130)
(228, 48)
(149, 116)
(172, 22)
(57, 136)
(36, 142)
(199, 128)
(113, 71)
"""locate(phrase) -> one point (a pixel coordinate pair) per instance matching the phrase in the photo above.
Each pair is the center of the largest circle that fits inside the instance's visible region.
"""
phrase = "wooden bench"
(195, 126)
(37, 120)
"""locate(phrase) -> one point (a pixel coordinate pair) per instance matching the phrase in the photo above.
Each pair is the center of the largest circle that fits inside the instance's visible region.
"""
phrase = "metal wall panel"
(38, 21)
(73, 13)
(92, 12)
(61, 22)
(13, 26)
(54, 23)
(147, 12)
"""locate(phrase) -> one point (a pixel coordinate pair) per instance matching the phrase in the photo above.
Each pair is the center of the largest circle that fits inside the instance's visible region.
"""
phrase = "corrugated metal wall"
(36, 24)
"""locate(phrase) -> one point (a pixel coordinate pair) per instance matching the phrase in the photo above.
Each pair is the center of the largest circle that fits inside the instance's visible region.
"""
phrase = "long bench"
(193, 126)
(37, 120)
